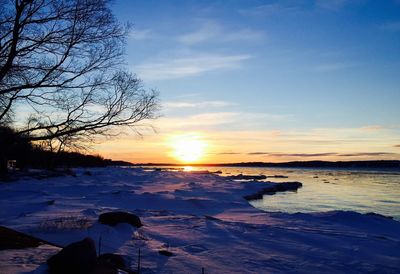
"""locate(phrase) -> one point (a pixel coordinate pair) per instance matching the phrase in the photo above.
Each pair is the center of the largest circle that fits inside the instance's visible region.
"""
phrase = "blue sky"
(328, 70)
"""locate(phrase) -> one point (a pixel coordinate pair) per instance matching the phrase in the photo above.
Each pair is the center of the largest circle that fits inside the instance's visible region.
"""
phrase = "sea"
(362, 191)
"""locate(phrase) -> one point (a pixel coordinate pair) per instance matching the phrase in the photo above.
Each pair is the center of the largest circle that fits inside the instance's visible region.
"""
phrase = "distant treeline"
(376, 164)
(28, 155)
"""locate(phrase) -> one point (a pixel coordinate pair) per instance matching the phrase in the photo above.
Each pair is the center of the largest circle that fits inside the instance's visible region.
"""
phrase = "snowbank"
(201, 218)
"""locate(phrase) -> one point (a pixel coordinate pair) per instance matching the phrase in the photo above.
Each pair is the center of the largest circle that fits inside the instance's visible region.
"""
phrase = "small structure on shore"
(11, 165)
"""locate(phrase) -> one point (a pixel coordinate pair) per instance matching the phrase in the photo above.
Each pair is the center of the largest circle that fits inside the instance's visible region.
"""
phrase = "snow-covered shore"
(201, 218)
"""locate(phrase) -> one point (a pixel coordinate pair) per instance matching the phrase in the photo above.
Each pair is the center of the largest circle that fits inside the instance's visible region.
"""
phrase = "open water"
(325, 190)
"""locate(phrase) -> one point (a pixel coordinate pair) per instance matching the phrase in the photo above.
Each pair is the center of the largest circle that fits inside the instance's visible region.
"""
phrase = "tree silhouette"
(62, 72)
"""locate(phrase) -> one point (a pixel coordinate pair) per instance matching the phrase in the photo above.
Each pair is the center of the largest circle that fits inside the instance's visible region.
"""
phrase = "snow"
(200, 217)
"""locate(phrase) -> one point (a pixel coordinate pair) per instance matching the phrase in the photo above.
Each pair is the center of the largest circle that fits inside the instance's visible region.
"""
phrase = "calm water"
(324, 190)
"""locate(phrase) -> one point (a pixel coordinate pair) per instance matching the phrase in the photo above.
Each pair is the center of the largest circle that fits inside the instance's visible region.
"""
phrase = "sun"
(188, 148)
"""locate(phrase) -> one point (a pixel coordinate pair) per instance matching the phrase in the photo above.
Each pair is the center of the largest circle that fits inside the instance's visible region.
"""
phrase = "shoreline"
(218, 229)
(384, 165)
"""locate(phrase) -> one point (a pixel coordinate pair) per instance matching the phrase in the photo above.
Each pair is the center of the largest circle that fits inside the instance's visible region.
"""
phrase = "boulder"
(114, 218)
(78, 258)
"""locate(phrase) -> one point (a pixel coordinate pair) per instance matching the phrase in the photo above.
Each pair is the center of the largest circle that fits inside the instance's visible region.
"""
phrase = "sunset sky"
(265, 80)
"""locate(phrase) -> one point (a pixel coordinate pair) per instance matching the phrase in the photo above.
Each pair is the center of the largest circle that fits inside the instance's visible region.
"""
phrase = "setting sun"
(188, 148)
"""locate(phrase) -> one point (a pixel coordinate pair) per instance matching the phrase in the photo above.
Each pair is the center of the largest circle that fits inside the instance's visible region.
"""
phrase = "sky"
(273, 81)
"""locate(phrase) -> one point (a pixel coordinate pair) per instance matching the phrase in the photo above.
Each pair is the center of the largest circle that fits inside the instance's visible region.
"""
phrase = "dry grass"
(65, 223)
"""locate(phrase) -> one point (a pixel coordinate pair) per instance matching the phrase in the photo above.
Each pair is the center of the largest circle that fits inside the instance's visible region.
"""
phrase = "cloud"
(306, 154)
(229, 153)
(272, 9)
(396, 145)
(186, 104)
(324, 154)
(372, 128)
(294, 154)
(198, 121)
(222, 120)
(143, 34)
(189, 66)
(288, 7)
(358, 154)
(258, 153)
(211, 31)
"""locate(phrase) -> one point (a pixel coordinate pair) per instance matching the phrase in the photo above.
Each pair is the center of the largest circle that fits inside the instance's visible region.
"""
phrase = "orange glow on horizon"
(188, 148)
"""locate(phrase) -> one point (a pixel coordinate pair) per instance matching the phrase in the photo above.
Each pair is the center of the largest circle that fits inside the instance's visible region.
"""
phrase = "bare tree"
(61, 64)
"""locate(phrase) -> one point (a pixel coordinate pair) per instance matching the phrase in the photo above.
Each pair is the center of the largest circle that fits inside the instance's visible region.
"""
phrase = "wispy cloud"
(293, 154)
(323, 154)
(294, 7)
(361, 154)
(258, 153)
(141, 34)
(271, 9)
(223, 120)
(229, 153)
(372, 128)
(211, 31)
(396, 145)
(198, 121)
(204, 104)
(189, 66)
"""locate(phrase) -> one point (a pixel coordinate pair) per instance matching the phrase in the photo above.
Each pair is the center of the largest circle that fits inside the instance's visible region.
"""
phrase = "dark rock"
(112, 260)
(278, 176)
(11, 239)
(69, 172)
(208, 217)
(114, 218)
(104, 269)
(51, 202)
(165, 253)
(78, 258)
(247, 177)
(277, 187)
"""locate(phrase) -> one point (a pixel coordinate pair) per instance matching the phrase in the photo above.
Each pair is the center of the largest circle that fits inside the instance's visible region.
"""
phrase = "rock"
(165, 253)
(278, 176)
(277, 187)
(112, 260)
(287, 186)
(104, 269)
(78, 258)
(247, 177)
(208, 217)
(114, 218)
(11, 239)
(51, 202)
